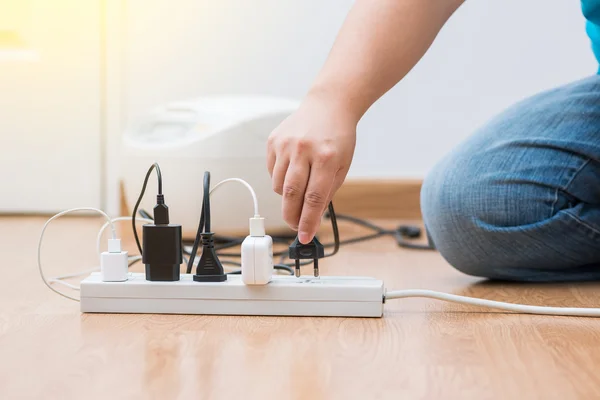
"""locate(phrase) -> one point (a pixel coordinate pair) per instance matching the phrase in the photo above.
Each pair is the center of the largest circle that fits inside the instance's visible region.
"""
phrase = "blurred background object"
(222, 134)
(96, 67)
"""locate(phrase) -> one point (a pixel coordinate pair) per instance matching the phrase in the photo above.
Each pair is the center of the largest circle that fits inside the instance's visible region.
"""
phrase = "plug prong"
(297, 268)
(316, 267)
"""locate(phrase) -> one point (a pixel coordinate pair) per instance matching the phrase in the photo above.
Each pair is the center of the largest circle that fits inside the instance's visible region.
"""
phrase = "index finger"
(319, 187)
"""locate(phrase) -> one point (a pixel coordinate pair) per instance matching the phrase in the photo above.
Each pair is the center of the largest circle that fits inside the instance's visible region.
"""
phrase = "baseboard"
(380, 198)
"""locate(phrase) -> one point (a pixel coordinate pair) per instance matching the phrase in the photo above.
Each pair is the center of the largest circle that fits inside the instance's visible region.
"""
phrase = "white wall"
(50, 106)
(489, 55)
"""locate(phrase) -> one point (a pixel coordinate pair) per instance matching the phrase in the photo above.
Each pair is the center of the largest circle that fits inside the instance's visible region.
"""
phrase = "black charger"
(162, 252)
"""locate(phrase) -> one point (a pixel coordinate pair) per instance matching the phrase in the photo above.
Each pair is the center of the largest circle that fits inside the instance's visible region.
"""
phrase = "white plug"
(257, 254)
(114, 265)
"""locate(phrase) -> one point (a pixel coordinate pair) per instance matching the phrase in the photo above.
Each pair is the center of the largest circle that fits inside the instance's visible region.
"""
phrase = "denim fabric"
(520, 199)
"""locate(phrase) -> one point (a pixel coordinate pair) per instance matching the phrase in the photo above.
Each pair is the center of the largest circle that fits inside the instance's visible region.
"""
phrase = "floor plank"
(421, 349)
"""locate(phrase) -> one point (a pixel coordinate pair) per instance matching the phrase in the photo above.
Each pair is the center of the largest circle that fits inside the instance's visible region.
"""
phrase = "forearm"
(379, 43)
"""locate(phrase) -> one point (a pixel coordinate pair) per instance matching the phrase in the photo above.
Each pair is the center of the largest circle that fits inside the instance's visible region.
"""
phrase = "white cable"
(59, 279)
(112, 221)
(74, 275)
(60, 214)
(518, 308)
(69, 285)
(246, 184)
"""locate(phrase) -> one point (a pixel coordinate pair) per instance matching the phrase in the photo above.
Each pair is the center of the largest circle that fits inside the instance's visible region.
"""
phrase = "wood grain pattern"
(380, 198)
(421, 349)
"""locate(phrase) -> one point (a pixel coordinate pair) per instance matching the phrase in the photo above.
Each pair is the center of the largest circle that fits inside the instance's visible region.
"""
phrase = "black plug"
(162, 251)
(209, 268)
(312, 250)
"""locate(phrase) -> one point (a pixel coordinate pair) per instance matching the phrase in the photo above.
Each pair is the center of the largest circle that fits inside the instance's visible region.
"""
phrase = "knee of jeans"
(452, 210)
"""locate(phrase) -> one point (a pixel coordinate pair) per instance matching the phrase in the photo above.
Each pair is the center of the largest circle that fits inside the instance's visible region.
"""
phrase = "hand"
(308, 157)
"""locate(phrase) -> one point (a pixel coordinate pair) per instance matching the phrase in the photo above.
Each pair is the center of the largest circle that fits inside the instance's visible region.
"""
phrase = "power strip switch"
(326, 296)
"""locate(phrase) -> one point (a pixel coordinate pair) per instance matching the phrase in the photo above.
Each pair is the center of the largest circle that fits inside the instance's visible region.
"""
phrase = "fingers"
(294, 187)
(280, 169)
(271, 158)
(315, 201)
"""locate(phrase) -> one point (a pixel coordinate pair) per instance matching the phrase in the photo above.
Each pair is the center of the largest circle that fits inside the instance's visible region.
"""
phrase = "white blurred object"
(226, 135)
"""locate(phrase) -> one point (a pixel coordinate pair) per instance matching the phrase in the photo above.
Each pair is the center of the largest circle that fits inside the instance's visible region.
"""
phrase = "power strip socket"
(326, 296)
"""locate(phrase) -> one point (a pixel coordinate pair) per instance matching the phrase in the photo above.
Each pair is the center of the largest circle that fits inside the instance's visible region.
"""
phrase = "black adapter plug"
(162, 251)
(209, 267)
(312, 250)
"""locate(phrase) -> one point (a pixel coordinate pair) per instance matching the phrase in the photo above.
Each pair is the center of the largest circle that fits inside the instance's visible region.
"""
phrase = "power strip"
(325, 296)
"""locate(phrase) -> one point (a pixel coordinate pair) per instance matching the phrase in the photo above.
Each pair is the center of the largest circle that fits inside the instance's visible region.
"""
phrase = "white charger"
(114, 266)
(257, 254)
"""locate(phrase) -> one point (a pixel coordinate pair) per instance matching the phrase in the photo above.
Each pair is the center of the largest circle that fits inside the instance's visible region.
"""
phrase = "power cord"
(156, 167)
(471, 301)
(110, 222)
(39, 251)
(205, 214)
(403, 234)
(277, 267)
(202, 223)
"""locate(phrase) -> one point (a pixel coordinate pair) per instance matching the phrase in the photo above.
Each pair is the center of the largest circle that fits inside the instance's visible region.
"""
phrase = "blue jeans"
(520, 199)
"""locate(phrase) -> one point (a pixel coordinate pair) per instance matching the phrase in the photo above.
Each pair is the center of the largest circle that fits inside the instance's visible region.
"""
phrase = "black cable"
(134, 261)
(336, 231)
(206, 202)
(144, 214)
(415, 246)
(204, 221)
(131, 263)
(156, 167)
(357, 221)
(283, 267)
(400, 234)
(277, 267)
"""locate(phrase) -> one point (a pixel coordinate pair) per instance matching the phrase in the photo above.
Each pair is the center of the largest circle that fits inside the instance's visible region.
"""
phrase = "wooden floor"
(420, 349)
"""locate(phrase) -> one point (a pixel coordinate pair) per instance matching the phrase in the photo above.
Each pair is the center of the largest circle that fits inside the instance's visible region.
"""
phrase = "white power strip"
(326, 296)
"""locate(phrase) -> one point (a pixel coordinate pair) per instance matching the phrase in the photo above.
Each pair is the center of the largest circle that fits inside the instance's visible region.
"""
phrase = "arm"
(310, 153)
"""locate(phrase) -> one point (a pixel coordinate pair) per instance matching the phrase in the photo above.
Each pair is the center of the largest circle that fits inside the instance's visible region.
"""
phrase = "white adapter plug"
(114, 265)
(257, 255)
(257, 260)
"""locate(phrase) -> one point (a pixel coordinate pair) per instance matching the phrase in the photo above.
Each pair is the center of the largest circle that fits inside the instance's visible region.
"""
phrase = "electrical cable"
(243, 182)
(135, 259)
(336, 231)
(118, 219)
(471, 301)
(61, 282)
(39, 250)
(206, 203)
(205, 215)
(399, 234)
(204, 221)
(132, 259)
(277, 267)
(156, 167)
